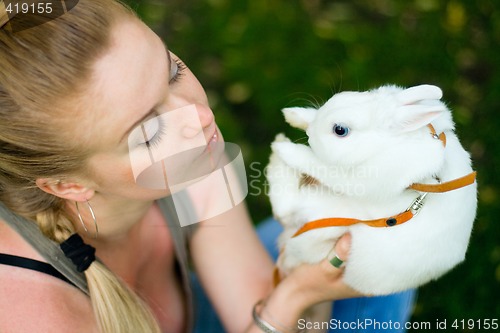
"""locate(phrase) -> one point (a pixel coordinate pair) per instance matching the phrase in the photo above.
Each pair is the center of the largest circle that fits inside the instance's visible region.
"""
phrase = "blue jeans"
(364, 314)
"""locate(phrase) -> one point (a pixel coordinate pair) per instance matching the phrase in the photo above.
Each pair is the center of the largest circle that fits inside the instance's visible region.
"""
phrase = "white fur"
(365, 175)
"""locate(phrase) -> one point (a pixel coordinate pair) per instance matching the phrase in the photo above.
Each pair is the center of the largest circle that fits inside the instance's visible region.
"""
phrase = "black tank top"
(35, 265)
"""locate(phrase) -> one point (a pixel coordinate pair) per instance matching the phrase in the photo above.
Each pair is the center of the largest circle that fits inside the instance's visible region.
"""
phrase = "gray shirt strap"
(47, 248)
(51, 251)
(181, 236)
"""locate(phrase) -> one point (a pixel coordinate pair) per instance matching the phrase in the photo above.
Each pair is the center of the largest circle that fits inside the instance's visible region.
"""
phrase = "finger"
(340, 252)
(343, 246)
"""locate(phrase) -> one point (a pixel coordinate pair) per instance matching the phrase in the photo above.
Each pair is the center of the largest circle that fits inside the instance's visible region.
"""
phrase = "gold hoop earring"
(93, 217)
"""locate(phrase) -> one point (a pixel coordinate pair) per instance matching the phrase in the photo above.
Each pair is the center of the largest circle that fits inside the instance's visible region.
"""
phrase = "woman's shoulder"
(12, 243)
(31, 301)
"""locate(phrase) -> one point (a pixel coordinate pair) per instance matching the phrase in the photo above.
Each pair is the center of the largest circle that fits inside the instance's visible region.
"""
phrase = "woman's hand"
(315, 283)
(234, 268)
(308, 285)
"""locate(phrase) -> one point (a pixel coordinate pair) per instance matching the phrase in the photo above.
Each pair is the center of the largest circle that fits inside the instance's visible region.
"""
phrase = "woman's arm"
(232, 265)
(236, 273)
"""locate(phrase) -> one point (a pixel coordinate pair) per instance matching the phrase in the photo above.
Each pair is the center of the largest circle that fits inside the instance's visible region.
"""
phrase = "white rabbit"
(365, 150)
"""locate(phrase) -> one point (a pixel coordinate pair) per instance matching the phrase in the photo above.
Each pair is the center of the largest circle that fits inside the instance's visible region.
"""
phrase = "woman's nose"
(194, 119)
(205, 115)
(181, 100)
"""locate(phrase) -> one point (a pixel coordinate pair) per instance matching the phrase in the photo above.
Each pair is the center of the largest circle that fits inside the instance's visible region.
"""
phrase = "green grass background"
(255, 57)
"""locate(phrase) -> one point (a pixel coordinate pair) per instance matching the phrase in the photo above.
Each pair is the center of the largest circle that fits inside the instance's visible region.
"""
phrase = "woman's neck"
(124, 239)
(115, 218)
(137, 246)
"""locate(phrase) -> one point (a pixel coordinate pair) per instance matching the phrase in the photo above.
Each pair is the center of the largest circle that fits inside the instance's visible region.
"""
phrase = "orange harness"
(391, 221)
(394, 220)
(400, 218)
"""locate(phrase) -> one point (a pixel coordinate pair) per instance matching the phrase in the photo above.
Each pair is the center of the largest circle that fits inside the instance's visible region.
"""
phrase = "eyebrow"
(153, 109)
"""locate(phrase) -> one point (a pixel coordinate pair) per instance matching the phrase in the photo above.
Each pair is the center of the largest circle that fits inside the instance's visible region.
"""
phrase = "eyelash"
(157, 137)
(180, 71)
(155, 140)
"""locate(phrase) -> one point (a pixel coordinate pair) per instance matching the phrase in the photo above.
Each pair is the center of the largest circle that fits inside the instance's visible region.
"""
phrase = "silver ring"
(336, 262)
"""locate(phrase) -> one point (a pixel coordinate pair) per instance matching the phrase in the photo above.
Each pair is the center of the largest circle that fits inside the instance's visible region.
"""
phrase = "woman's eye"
(177, 68)
(173, 70)
(149, 131)
(340, 130)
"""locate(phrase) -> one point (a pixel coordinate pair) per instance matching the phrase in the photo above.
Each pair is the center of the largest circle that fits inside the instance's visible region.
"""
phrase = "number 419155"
(481, 324)
(31, 8)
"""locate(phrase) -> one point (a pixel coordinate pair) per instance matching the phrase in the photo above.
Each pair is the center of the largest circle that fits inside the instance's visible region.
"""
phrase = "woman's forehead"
(131, 76)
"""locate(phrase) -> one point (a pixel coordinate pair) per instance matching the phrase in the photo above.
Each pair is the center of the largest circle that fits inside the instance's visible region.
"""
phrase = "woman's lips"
(212, 142)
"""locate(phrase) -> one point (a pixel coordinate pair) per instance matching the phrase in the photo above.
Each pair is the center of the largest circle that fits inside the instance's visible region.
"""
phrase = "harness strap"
(401, 217)
(441, 136)
(344, 222)
(446, 186)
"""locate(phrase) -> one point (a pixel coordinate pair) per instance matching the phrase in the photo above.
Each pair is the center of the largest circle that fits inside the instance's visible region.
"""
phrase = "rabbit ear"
(299, 117)
(411, 117)
(419, 93)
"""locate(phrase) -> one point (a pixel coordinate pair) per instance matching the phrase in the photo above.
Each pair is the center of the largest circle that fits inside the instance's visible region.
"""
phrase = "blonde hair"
(4, 17)
(41, 68)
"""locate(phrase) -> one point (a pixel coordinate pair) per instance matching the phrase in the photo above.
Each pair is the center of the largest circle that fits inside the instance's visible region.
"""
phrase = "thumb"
(339, 252)
(343, 246)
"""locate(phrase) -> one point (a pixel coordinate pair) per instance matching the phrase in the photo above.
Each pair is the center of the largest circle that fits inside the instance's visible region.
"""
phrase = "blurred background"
(255, 57)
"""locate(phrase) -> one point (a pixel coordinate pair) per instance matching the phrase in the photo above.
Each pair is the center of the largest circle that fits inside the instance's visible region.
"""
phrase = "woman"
(71, 91)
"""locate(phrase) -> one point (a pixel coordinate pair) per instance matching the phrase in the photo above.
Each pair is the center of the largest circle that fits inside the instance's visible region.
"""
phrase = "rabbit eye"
(340, 130)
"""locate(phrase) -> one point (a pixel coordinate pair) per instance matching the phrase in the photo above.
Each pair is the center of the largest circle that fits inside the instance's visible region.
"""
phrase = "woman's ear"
(65, 190)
